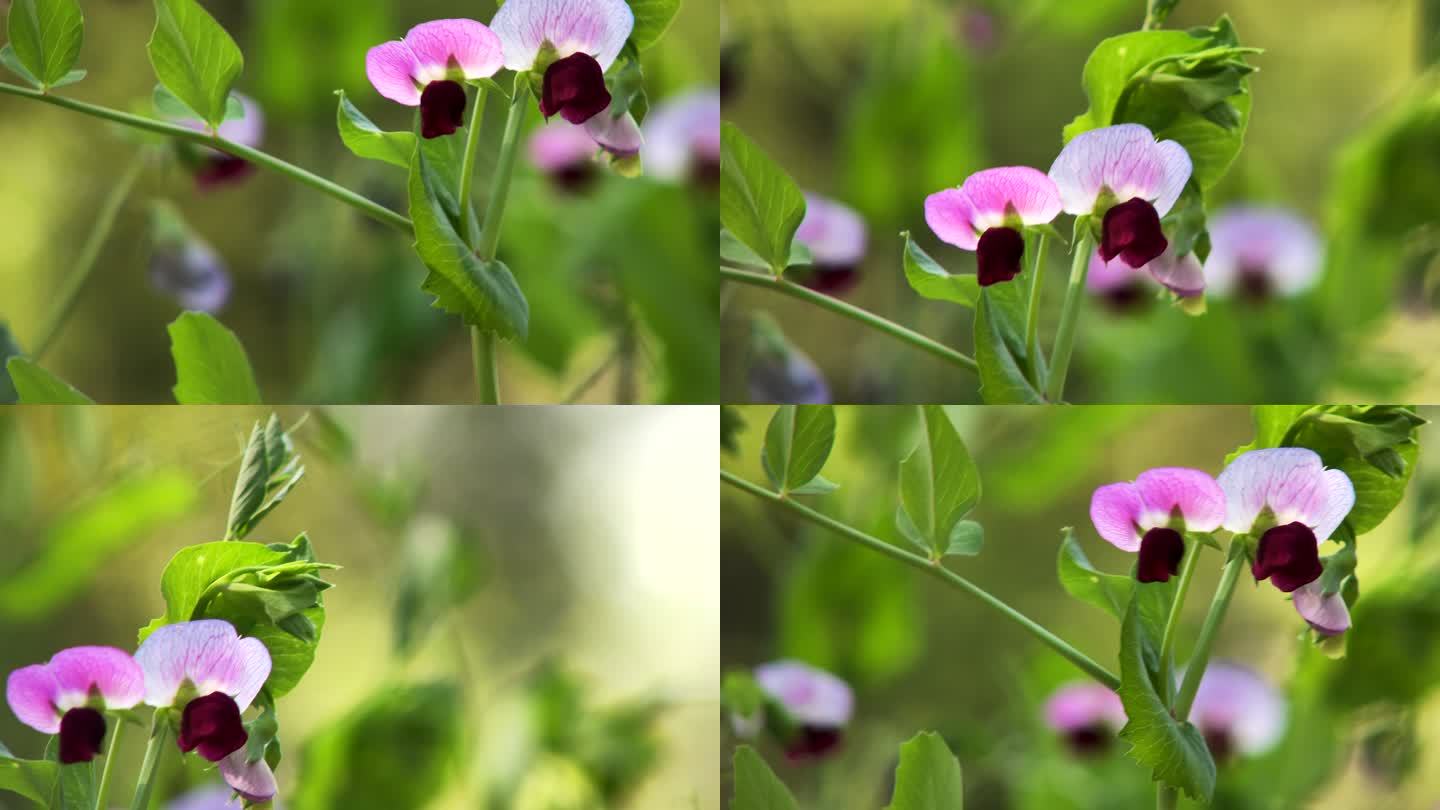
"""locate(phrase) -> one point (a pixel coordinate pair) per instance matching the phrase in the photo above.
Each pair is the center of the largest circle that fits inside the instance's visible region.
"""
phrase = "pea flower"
(205, 668)
(573, 42)
(69, 694)
(1087, 715)
(254, 781)
(185, 266)
(213, 168)
(682, 138)
(1182, 275)
(565, 153)
(1326, 613)
(1122, 175)
(426, 69)
(1151, 514)
(1258, 252)
(817, 703)
(836, 236)
(987, 213)
(1237, 711)
(1287, 495)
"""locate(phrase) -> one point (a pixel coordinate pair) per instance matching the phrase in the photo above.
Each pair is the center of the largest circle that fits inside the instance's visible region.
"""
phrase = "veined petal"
(210, 655)
(1124, 158)
(1175, 168)
(596, 27)
(1116, 510)
(392, 69)
(950, 214)
(439, 45)
(811, 696)
(32, 692)
(1237, 702)
(1193, 492)
(618, 136)
(254, 781)
(1327, 614)
(111, 672)
(1291, 481)
(834, 232)
(1339, 499)
(993, 192)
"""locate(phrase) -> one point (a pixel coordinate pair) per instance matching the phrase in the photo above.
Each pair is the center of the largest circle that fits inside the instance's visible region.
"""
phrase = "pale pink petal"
(393, 70)
(618, 136)
(209, 654)
(1327, 614)
(210, 797)
(1259, 239)
(1339, 499)
(811, 696)
(834, 232)
(1194, 493)
(950, 215)
(595, 27)
(111, 672)
(32, 692)
(1105, 276)
(1123, 158)
(466, 45)
(1116, 510)
(994, 192)
(681, 130)
(1291, 481)
(252, 780)
(1239, 703)
(1083, 705)
(248, 130)
(560, 145)
(1183, 276)
(252, 669)
(1175, 173)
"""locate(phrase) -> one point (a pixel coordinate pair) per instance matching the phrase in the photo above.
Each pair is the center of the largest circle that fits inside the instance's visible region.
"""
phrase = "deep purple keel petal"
(1132, 231)
(1288, 556)
(212, 724)
(813, 742)
(1160, 553)
(574, 88)
(82, 731)
(998, 255)
(442, 109)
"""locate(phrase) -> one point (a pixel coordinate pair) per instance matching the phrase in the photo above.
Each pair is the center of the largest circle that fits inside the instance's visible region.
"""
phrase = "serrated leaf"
(1000, 350)
(269, 470)
(756, 786)
(939, 484)
(211, 367)
(928, 776)
(36, 386)
(759, 203)
(45, 36)
(797, 443)
(195, 58)
(1082, 580)
(930, 280)
(368, 141)
(652, 18)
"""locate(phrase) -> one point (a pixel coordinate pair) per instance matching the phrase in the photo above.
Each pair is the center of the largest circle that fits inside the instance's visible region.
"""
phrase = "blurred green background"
(880, 104)
(329, 304)
(581, 542)
(922, 656)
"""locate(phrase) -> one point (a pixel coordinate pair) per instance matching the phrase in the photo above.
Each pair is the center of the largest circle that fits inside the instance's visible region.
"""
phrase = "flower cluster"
(805, 708)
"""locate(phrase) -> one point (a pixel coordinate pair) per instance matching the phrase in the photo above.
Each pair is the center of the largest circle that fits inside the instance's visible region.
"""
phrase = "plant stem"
(1069, 319)
(1200, 657)
(89, 254)
(854, 313)
(487, 370)
(365, 205)
(159, 729)
(482, 344)
(467, 168)
(1166, 797)
(1429, 33)
(1074, 656)
(1167, 640)
(1156, 11)
(1032, 313)
(103, 791)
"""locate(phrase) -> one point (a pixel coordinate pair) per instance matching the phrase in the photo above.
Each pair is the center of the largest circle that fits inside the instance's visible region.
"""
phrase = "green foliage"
(1173, 750)
(797, 443)
(1082, 580)
(740, 695)
(36, 386)
(8, 348)
(652, 18)
(1005, 365)
(928, 776)
(77, 786)
(756, 786)
(734, 251)
(932, 281)
(211, 367)
(309, 49)
(32, 779)
(613, 746)
(1393, 653)
(45, 39)
(731, 424)
(368, 141)
(269, 470)
(939, 486)
(759, 203)
(195, 58)
(88, 535)
(438, 571)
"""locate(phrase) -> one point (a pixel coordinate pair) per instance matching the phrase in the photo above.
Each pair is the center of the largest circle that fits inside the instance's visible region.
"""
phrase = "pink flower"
(836, 236)
(1151, 514)
(215, 673)
(1182, 276)
(1237, 711)
(1303, 502)
(565, 153)
(426, 69)
(573, 41)
(1261, 251)
(1087, 714)
(68, 695)
(1326, 614)
(254, 781)
(817, 703)
(987, 212)
(682, 138)
(1123, 175)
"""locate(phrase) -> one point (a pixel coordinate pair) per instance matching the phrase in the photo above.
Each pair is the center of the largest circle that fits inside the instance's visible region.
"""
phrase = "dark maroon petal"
(576, 177)
(999, 255)
(834, 280)
(706, 173)
(1132, 231)
(1289, 556)
(442, 109)
(813, 742)
(1089, 740)
(574, 89)
(1220, 744)
(81, 732)
(212, 724)
(1254, 283)
(222, 170)
(1129, 298)
(1160, 553)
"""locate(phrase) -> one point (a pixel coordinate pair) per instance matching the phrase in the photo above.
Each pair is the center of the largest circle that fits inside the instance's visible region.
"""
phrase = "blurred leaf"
(46, 36)
(797, 443)
(731, 423)
(269, 470)
(368, 141)
(33, 779)
(932, 281)
(438, 571)
(309, 49)
(928, 777)
(939, 486)
(8, 348)
(615, 745)
(86, 538)
(1000, 347)
(1109, 592)
(556, 783)
(1174, 751)
(756, 787)
(759, 203)
(741, 695)
(652, 18)
(77, 786)
(1393, 653)
(195, 58)
(36, 386)
(211, 367)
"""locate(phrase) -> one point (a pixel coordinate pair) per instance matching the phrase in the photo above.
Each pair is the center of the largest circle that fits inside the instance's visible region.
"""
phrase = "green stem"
(365, 205)
(1032, 312)
(159, 728)
(89, 253)
(1074, 656)
(1167, 640)
(487, 369)
(482, 344)
(467, 168)
(854, 313)
(103, 791)
(1156, 11)
(1429, 33)
(1200, 657)
(1069, 319)
(1166, 798)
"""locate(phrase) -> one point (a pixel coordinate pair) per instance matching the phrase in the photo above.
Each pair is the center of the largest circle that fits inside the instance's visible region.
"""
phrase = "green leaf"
(928, 278)
(797, 443)
(1000, 347)
(484, 294)
(759, 203)
(734, 251)
(652, 18)
(439, 570)
(88, 535)
(966, 539)
(45, 36)
(211, 367)
(36, 386)
(756, 786)
(1109, 592)
(8, 348)
(13, 63)
(1173, 750)
(195, 58)
(77, 786)
(269, 470)
(368, 141)
(33, 779)
(928, 776)
(939, 484)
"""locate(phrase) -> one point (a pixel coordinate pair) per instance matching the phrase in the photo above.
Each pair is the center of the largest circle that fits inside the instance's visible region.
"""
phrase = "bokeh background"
(879, 104)
(585, 642)
(327, 303)
(924, 657)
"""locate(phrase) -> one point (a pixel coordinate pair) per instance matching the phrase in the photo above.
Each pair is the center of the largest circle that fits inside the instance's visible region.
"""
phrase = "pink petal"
(209, 654)
(1291, 481)
(249, 130)
(681, 130)
(112, 672)
(1083, 704)
(252, 780)
(393, 69)
(438, 45)
(811, 696)
(1105, 276)
(834, 232)
(1327, 614)
(993, 191)
(1237, 701)
(559, 145)
(1184, 276)
(1116, 509)
(1123, 158)
(596, 27)
(1193, 492)
(32, 693)
(1339, 499)
(1175, 172)
(950, 214)
(1271, 240)
(210, 797)
(618, 136)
